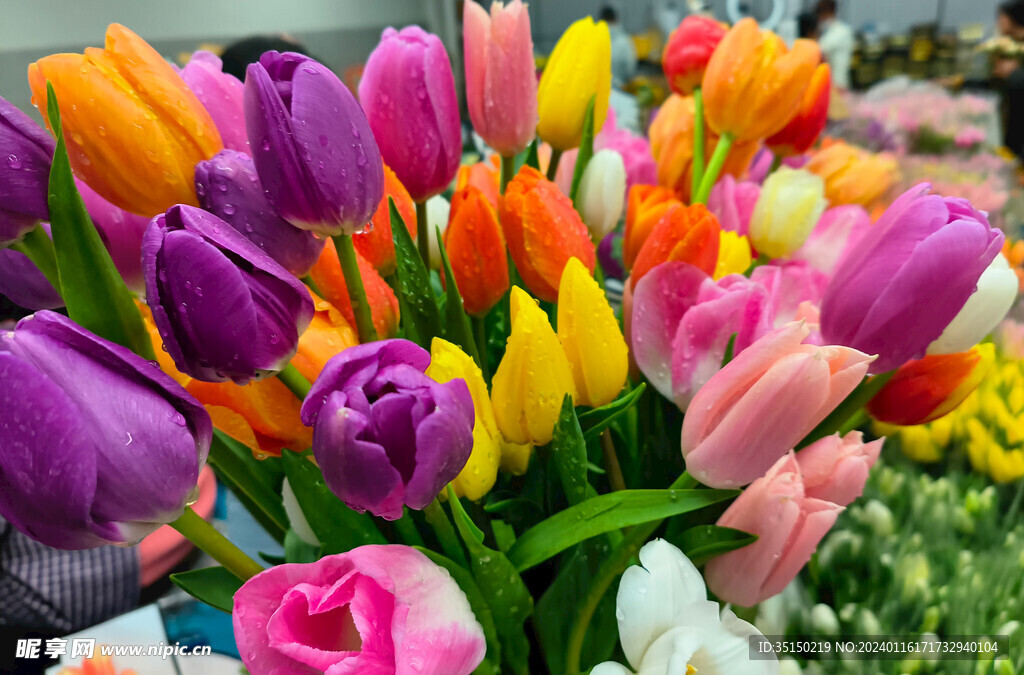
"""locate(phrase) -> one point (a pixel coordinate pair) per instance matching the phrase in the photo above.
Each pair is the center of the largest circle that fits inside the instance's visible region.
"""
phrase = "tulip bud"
(808, 123)
(733, 203)
(687, 234)
(376, 243)
(312, 145)
(688, 51)
(836, 468)
(438, 214)
(222, 94)
(224, 308)
(24, 173)
(601, 193)
(384, 434)
(476, 249)
(646, 205)
(24, 285)
(483, 176)
(852, 175)
(838, 229)
(579, 69)
(790, 204)
(99, 446)
(733, 254)
(408, 93)
(984, 309)
(229, 188)
(328, 277)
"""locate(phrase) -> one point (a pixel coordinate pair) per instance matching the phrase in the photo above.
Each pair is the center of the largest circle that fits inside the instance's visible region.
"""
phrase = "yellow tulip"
(580, 68)
(789, 207)
(533, 376)
(917, 444)
(591, 337)
(1005, 465)
(734, 255)
(448, 362)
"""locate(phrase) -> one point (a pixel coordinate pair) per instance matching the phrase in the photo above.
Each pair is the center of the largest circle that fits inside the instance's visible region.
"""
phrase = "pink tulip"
(788, 523)
(374, 609)
(221, 94)
(733, 202)
(835, 468)
(790, 285)
(121, 233)
(501, 78)
(839, 229)
(682, 322)
(763, 402)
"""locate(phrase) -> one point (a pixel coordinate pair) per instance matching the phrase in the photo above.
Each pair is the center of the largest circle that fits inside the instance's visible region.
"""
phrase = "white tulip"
(997, 289)
(790, 205)
(295, 516)
(602, 193)
(438, 210)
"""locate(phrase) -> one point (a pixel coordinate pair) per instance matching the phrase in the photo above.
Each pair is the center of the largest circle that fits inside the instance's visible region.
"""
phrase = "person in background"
(623, 49)
(238, 55)
(1007, 69)
(836, 41)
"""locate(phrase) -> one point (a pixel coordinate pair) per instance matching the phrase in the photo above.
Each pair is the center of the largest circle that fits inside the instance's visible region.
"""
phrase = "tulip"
(682, 323)
(476, 250)
(222, 94)
(24, 173)
(687, 234)
(984, 310)
(23, 283)
(602, 192)
(447, 363)
(789, 524)
(756, 408)
(483, 176)
(838, 229)
(733, 203)
(312, 145)
(133, 128)
(667, 624)
(634, 149)
(408, 93)
(645, 208)
(835, 468)
(229, 188)
(224, 308)
(929, 388)
(688, 51)
(543, 231)
(329, 333)
(895, 291)
(374, 609)
(99, 447)
(852, 175)
(803, 130)
(384, 434)
(121, 232)
(438, 214)
(533, 377)
(753, 85)
(501, 79)
(733, 254)
(578, 70)
(376, 242)
(591, 337)
(790, 204)
(790, 285)
(330, 281)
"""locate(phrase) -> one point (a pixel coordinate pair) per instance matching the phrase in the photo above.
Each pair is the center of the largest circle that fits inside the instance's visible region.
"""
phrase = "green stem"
(610, 568)
(839, 418)
(714, 168)
(556, 156)
(776, 163)
(698, 141)
(480, 336)
(356, 290)
(438, 520)
(611, 461)
(406, 530)
(508, 170)
(296, 383)
(422, 233)
(38, 248)
(308, 280)
(216, 545)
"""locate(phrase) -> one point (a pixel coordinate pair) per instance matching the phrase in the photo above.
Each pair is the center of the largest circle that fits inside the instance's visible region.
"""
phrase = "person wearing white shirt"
(836, 41)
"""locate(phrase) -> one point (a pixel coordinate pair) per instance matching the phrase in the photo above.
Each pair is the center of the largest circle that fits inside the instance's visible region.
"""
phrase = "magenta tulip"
(733, 202)
(790, 285)
(222, 94)
(839, 229)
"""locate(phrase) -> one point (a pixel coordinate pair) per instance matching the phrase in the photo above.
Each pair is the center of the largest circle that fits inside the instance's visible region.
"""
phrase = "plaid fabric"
(63, 591)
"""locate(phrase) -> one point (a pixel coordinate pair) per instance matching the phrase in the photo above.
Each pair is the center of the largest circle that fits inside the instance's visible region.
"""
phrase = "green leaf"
(604, 514)
(569, 452)
(457, 328)
(255, 482)
(215, 586)
(532, 157)
(504, 535)
(419, 308)
(704, 542)
(338, 527)
(298, 551)
(593, 422)
(586, 151)
(94, 292)
(730, 350)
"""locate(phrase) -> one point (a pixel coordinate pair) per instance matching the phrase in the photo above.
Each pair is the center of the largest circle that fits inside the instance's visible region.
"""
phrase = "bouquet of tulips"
(463, 454)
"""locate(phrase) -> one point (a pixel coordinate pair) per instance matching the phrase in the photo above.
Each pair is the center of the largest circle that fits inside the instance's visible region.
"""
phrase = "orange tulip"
(852, 175)
(476, 249)
(808, 123)
(375, 243)
(1014, 252)
(484, 176)
(543, 232)
(647, 204)
(330, 281)
(753, 84)
(687, 234)
(328, 334)
(96, 665)
(133, 128)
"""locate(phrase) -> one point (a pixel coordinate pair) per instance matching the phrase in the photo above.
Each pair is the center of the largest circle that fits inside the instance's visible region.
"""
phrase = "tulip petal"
(443, 443)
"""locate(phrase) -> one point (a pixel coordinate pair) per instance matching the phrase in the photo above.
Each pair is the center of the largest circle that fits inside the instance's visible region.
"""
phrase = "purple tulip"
(384, 434)
(408, 93)
(98, 446)
(897, 288)
(24, 284)
(121, 232)
(25, 154)
(221, 94)
(224, 308)
(229, 188)
(312, 145)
